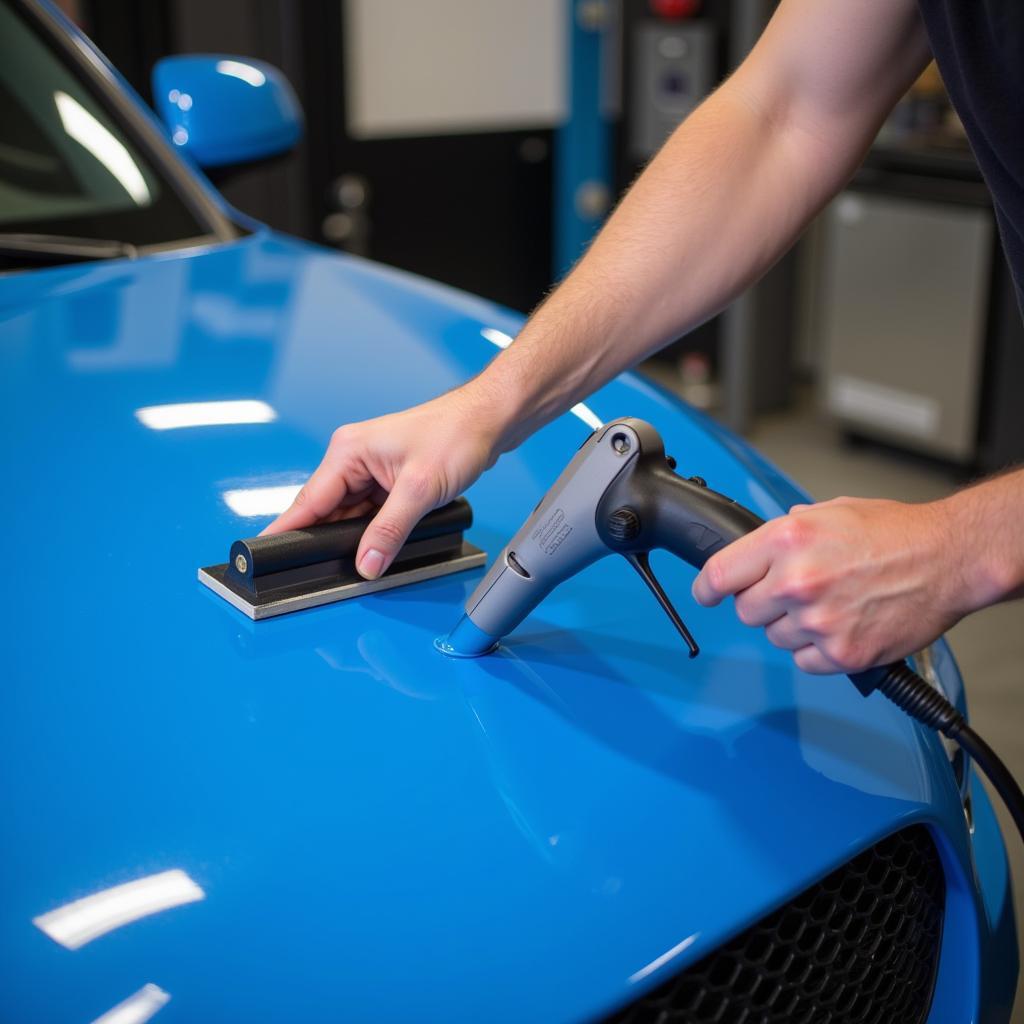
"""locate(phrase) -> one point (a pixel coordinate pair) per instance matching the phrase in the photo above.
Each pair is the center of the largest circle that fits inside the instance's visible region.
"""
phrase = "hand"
(404, 465)
(846, 584)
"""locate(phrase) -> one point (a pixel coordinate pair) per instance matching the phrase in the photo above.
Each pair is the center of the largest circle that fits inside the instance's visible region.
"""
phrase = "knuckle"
(816, 620)
(793, 532)
(344, 435)
(388, 532)
(301, 498)
(419, 482)
(799, 586)
(842, 651)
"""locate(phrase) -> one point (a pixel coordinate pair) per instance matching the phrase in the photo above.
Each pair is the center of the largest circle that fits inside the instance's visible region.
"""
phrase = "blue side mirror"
(224, 110)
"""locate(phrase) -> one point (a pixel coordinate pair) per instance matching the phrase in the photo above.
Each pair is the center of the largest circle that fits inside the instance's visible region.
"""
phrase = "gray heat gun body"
(618, 495)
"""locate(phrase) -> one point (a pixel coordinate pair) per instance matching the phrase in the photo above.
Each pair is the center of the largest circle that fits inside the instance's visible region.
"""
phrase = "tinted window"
(66, 166)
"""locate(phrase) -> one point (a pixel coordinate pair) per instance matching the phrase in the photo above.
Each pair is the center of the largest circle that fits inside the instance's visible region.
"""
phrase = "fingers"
(771, 587)
(736, 567)
(812, 660)
(787, 633)
(353, 511)
(321, 494)
(758, 605)
(358, 503)
(340, 481)
(409, 500)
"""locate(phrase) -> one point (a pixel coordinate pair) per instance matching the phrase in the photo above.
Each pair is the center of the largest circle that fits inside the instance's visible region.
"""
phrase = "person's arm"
(852, 582)
(725, 197)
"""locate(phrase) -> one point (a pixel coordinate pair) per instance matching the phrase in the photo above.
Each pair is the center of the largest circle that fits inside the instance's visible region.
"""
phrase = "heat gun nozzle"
(466, 640)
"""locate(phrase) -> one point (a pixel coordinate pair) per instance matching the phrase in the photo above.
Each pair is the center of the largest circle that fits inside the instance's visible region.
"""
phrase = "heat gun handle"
(693, 521)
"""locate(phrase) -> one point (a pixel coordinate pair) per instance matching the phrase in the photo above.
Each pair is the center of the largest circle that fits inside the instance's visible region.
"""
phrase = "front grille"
(860, 947)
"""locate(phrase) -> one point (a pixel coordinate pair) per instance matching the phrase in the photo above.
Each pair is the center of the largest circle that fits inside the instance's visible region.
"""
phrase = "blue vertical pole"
(582, 164)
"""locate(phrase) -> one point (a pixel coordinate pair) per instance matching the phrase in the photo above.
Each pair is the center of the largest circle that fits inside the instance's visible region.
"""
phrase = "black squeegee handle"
(296, 548)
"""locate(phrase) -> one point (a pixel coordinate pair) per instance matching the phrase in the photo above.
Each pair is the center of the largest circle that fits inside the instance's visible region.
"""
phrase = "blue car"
(317, 817)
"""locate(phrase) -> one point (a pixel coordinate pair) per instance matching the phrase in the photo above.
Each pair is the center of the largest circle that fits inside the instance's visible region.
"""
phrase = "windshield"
(66, 166)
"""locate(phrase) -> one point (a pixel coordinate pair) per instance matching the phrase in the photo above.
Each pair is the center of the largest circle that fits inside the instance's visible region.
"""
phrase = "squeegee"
(288, 572)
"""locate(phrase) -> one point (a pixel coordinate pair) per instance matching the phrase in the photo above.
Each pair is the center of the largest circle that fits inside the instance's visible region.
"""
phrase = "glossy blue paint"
(380, 832)
(375, 827)
(221, 110)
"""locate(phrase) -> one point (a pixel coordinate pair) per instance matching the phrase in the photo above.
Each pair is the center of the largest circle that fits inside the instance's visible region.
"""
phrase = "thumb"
(390, 527)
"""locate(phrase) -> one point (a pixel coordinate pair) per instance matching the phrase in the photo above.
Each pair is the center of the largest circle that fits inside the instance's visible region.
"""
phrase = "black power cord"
(914, 695)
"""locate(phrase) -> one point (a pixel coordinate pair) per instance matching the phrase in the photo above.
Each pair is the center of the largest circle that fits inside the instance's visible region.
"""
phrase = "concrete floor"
(989, 645)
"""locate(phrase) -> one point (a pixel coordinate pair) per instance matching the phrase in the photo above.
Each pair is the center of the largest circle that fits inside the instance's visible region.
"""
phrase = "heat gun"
(620, 494)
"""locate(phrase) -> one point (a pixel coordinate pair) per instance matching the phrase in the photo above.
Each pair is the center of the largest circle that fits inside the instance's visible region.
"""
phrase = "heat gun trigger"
(640, 560)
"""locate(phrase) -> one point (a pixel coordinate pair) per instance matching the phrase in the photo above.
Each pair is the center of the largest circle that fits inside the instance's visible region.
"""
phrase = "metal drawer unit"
(905, 285)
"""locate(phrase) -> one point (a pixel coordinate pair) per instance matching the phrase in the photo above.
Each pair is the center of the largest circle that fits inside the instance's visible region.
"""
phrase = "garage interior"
(481, 144)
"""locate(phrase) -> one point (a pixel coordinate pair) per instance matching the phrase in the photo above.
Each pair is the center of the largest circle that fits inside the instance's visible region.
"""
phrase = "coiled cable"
(914, 695)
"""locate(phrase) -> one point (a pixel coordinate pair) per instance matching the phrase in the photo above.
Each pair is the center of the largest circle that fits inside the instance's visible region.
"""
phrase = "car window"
(66, 166)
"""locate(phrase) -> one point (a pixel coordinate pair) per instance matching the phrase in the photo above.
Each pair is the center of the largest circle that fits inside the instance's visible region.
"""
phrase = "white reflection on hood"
(75, 924)
(137, 1008)
(205, 414)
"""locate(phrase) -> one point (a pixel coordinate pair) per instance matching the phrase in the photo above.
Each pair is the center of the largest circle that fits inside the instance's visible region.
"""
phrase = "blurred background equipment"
(482, 144)
(911, 303)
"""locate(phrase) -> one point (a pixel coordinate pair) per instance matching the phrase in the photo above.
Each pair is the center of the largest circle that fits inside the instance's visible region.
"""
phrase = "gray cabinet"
(904, 301)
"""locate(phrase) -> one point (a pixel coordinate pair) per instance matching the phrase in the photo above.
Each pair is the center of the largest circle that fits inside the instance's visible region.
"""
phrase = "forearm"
(725, 197)
(720, 203)
(985, 528)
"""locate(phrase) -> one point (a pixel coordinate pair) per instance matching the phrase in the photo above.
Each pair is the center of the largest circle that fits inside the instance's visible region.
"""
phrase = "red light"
(675, 8)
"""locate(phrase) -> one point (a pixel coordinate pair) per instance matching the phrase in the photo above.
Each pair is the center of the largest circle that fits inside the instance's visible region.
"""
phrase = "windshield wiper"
(40, 248)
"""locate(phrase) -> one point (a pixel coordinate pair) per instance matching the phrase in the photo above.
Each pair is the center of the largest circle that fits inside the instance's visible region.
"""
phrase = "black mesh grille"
(860, 947)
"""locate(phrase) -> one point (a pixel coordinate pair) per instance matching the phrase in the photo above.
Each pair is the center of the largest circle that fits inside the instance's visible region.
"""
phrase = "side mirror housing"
(224, 111)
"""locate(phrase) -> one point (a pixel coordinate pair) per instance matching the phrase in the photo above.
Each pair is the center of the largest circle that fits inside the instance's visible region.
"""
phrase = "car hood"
(355, 827)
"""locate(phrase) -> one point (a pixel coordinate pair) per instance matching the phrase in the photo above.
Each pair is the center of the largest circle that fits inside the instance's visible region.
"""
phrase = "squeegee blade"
(259, 607)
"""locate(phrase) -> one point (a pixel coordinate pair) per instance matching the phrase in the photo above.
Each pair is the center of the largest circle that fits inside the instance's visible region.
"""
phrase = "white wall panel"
(428, 67)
